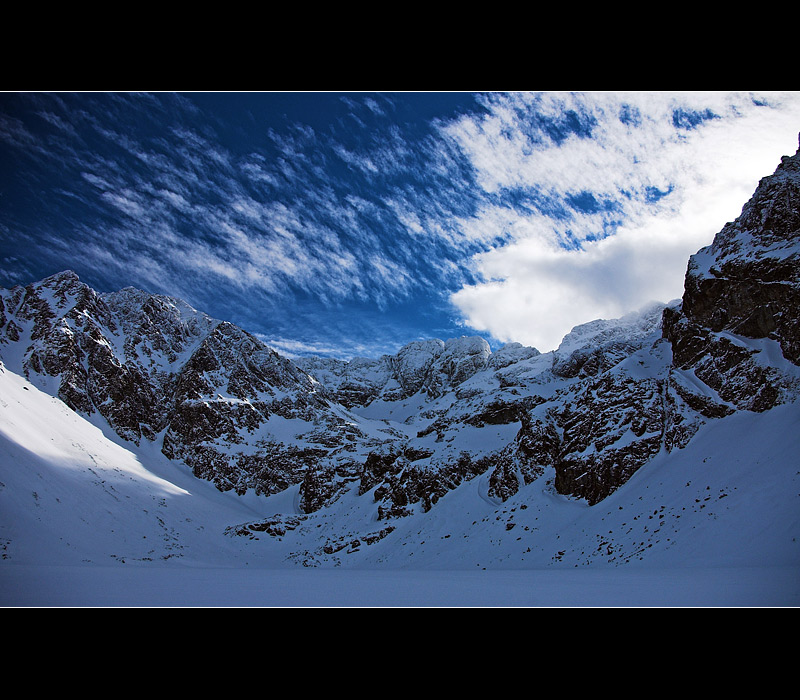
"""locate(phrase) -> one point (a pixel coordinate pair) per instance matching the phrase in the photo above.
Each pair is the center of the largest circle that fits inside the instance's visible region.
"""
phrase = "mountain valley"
(139, 431)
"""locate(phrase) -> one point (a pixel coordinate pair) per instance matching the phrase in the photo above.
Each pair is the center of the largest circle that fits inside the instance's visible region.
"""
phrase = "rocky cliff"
(155, 369)
(738, 328)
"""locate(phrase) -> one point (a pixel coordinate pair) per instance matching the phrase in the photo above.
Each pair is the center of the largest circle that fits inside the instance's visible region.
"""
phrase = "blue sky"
(350, 224)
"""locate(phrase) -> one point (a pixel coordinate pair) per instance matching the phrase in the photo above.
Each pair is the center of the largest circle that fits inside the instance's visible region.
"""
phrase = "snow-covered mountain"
(138, 429)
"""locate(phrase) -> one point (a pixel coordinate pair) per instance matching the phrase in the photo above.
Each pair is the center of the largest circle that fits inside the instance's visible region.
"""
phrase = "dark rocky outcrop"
(748, 280)
(155, 368)
(745, 285)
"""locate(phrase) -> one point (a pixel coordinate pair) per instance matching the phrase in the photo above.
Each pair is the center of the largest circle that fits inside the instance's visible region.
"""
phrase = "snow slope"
(87, 519)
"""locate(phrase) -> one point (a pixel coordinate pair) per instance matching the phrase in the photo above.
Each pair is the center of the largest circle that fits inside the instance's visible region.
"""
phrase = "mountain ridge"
(403, 431)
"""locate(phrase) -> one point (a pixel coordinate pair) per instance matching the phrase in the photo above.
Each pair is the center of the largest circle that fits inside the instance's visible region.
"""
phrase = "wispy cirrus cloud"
(154, 192)
(517, 215)
(179, 200)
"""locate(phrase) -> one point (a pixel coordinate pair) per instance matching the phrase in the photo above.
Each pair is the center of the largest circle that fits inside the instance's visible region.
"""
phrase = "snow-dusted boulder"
(510, 354)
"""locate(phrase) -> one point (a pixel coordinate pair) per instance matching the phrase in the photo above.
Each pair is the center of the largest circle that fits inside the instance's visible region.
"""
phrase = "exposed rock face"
(746, 285)
(748, 280)
(155, 368)
(71, 330)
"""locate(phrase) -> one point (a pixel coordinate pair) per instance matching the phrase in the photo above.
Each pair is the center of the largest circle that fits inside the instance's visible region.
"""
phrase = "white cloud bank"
(534, 289)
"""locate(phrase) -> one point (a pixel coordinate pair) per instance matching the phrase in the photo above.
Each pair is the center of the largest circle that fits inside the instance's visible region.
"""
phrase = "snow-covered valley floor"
(25, 585)
(88, 520)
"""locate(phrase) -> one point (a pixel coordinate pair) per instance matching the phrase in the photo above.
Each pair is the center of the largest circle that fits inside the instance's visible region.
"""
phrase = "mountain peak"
(748, 280)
